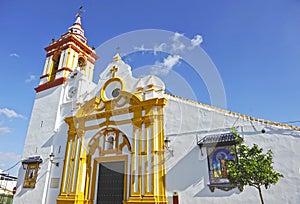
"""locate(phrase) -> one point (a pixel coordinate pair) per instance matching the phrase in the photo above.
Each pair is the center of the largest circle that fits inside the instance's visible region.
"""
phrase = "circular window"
(111, 89)
(115, 92)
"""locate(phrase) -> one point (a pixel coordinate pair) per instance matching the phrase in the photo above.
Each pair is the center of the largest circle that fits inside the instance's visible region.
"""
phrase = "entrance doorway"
(111, 183)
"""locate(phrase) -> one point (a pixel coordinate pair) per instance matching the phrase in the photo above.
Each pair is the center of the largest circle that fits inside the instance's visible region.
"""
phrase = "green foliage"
(252, 167)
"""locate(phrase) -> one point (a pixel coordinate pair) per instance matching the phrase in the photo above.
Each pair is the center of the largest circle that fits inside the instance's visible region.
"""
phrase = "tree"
(252, 167)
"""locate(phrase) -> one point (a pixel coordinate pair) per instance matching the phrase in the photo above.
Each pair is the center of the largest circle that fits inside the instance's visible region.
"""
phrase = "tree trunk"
(260, 195)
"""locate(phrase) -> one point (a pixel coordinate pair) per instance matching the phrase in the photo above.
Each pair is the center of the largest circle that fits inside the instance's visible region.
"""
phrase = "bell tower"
(71, 51)
(40, 176)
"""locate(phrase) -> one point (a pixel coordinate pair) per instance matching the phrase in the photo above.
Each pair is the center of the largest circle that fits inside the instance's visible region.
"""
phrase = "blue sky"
(255, 46)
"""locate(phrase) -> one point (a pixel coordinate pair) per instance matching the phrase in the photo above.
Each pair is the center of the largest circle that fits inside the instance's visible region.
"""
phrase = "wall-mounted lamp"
(167, 146)
(51, 158)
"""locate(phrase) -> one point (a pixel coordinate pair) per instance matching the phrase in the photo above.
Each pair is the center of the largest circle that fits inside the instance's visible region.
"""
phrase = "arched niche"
(108, 141)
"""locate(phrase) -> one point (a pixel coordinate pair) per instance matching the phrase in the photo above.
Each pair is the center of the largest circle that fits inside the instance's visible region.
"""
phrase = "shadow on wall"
(190, 175)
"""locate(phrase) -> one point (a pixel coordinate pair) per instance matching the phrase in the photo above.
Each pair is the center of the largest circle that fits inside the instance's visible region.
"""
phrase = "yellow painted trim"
(68, 57)
(102, 92)
(56, 57)
(101, 110)
(50, 71)
(73, 59)
(85, 112)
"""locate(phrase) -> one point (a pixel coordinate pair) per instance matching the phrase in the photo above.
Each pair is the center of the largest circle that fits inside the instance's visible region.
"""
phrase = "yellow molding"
(148, 112)
(102, 92)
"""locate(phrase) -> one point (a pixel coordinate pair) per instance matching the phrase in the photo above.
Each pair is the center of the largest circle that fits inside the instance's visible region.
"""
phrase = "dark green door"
(111, 183)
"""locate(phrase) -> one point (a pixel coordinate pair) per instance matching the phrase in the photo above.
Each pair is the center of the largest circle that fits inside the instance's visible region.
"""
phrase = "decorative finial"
(117, 58)
(113, 71)
(78, 15)
(80, 11)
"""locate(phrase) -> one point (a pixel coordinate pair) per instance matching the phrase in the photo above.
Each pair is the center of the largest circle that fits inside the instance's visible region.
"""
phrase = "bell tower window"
(81, 63)
(55, 63)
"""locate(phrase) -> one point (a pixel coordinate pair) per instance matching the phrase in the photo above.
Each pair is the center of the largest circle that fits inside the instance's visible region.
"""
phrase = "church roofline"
(268, 122)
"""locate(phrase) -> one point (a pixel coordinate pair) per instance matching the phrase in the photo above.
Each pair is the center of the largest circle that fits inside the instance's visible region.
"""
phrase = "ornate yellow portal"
(96, 135)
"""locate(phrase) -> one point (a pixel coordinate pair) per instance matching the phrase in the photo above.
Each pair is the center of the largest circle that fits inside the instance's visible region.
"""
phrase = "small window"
(31, 175)
(81, 63)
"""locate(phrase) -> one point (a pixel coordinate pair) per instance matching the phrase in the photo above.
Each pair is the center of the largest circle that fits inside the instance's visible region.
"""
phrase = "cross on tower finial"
(80, 10)
(113, 71)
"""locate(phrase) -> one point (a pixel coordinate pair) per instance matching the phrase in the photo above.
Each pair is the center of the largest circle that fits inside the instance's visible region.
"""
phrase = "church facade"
(124, 140)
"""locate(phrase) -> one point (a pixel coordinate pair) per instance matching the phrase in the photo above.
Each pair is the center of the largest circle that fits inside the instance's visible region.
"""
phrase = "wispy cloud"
(197, 40)
(4, 130)
(177, 45)
(10, 113)
(139, 48)
(159, 48)
(177, 35)
(163, 68)
(156, 48)
(31, 78)
(14, 55)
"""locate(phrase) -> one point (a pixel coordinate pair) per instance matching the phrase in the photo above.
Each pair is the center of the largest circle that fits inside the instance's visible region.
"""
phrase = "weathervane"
(81, 10)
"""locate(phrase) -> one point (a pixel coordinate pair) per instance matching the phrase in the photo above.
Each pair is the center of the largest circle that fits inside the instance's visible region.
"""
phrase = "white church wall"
(67, 109)
(48, 133)
(39, 141)
(187, 169)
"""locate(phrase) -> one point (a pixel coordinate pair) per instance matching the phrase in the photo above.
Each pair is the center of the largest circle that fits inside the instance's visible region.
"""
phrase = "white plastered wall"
(187, 170)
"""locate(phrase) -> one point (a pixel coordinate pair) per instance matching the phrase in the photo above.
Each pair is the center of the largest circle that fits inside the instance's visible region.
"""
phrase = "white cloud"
(171, 61)
(10, 113)
(197, 40)
(4, 130)
(14, 55)
(140, 48)
(31, 78)
(177, 45)
(163, 68)
(159, 48)
(176, 36)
